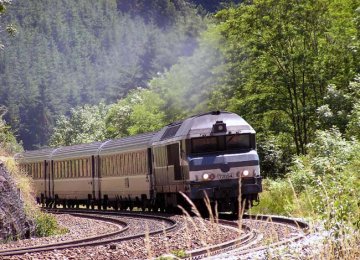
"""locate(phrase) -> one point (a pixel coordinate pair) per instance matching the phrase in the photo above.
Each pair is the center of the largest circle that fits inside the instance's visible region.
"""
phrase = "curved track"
(104, 239)
(301, 229)
(250, 239)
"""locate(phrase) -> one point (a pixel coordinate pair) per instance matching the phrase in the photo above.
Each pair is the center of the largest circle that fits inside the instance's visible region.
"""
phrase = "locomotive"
(209, 155)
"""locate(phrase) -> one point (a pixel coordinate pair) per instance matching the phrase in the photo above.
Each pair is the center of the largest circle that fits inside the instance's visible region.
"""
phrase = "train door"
(173, 154)
(48, 181)
(44, 192)
(150, 174)
(52, 183)
(94, 180)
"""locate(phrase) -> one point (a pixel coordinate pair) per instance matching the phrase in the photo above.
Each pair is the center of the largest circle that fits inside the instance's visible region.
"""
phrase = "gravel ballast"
(192, 233)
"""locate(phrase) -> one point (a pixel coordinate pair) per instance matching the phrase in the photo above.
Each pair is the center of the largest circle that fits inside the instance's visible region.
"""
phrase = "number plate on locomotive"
(224, 176)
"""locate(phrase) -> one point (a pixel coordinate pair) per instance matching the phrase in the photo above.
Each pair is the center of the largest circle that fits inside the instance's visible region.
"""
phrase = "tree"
(85, 124)
(8, 143)
(9, 28)
(86, 52)
(281, 57)
(353, 126)
(188, 85)
(140, 112)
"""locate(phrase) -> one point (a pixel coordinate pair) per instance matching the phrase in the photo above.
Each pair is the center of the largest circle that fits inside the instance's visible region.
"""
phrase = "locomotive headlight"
(205, 176)
(245, 173)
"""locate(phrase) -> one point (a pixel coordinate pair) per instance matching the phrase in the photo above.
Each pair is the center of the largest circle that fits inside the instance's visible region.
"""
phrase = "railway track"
(252, 237)
(103, 239)
(260, 242)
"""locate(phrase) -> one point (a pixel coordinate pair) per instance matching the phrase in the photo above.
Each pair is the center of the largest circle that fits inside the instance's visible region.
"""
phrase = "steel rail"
(95, 240)
(278, 220)
(247, 239)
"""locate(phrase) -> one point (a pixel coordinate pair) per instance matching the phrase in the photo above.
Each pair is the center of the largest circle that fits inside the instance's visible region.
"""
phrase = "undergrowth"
(322, 186)
(45, 224)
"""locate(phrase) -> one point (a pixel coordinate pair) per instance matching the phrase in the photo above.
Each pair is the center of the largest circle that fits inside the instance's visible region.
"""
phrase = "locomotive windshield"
(222, 143)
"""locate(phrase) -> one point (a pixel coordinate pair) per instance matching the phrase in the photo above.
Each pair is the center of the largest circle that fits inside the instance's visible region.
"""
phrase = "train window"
(80, 168)
(127, 183)
(36, 172)
(143, 162)
(110, 165)
(56, 170)
(43, 170)
(114, 165)
(234, 142)
(76, 172)
(118, 165)
(71, 167)
(128, 164)
(113, 162)
(127, 167)
(103, 166)
(107, 166)
(62, 169)
(68, 169)
(204, 145)
(133, 163)
(107, 159)
(85, 167)
(59, 169)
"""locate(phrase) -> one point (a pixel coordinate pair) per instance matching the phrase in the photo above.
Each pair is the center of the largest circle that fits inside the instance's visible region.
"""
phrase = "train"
(207, 157)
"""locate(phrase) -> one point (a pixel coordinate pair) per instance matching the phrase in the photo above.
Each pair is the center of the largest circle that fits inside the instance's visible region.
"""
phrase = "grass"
(45, 224)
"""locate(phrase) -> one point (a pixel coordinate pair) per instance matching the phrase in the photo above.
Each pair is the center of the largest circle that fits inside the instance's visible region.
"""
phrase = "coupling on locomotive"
(208, 155)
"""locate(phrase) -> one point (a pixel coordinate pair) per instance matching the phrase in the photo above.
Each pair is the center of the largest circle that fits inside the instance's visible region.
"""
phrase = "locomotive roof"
(202, 125)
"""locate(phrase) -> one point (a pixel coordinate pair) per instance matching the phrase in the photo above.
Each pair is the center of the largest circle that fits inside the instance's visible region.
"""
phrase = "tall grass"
(45, 224)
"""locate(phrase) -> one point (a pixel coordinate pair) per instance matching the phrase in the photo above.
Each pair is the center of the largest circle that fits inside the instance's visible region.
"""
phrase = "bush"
(46, 225)
(277, 198)
(324, 184)
(275, 154)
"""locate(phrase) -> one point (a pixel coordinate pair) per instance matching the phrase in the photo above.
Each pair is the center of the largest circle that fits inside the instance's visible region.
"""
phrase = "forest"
(84, 71)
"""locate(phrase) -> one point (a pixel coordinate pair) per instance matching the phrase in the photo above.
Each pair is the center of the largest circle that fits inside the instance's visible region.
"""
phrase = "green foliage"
(188, 85)
(277, 198)
(275, 152)
(338, 104)
(85, 124)
(353, 127)
(10, 28)
(72, 53)
(46, 225)
(140, 112)
(282, 55)
(325, 183)
(179, 253)
(8, 143)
